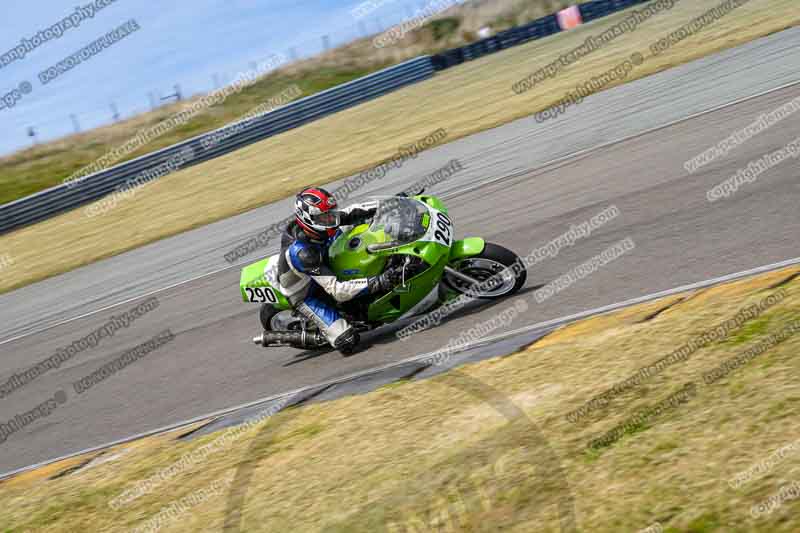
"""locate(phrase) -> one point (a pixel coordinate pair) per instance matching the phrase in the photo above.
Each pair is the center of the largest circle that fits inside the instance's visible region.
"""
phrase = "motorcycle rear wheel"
(274, 320)
(265, 316)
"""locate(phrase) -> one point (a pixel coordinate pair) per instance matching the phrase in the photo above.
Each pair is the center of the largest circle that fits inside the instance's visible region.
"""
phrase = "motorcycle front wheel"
(491, 269)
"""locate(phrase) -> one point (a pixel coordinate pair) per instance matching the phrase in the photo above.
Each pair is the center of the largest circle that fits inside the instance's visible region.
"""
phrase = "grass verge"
(445, 454)
(45, 165)
(470, 98)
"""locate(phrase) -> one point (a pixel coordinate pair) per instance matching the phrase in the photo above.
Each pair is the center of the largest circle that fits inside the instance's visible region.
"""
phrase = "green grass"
(751, 330)
(704, 524)
(444, 27)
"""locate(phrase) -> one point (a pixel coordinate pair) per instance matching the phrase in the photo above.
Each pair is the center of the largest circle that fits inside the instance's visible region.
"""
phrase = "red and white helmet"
(316, 212)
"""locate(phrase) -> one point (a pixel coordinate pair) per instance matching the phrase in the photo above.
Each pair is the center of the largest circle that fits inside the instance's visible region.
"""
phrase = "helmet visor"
(328, 219)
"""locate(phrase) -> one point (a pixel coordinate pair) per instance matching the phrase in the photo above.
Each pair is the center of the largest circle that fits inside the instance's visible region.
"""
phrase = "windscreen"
(400, 219)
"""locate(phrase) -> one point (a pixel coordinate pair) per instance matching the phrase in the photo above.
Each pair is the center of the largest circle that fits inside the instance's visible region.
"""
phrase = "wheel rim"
(285, 321)
(483, 269)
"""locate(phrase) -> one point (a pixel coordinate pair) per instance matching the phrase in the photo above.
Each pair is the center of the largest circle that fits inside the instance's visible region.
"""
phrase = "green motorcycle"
(415, 233)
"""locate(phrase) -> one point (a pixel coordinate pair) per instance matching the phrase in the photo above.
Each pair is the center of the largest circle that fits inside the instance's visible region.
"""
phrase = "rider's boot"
(340, 334)
(347, 341)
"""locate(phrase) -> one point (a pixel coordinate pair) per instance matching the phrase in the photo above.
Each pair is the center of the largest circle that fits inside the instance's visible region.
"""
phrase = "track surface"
(680, 238)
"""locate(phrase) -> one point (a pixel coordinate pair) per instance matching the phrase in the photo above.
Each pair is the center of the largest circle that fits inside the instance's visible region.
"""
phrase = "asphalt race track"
(506, 194)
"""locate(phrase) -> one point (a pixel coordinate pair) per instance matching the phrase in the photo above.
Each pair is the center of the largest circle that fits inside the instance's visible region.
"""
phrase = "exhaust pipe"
(297, 339)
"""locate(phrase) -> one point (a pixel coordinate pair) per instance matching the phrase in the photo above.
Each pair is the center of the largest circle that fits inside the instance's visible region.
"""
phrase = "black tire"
(492, 253)
(265, 316)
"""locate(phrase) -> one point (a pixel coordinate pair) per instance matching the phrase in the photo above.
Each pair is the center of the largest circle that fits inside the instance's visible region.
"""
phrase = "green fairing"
(253, 277)
(350, 263)
(393, 305)
(356, 263)
(349, 259)
(433, 202)
(469, 247)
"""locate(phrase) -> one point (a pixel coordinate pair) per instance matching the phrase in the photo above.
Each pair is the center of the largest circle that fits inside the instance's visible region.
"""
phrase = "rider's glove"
(386, 281)
(357, 213)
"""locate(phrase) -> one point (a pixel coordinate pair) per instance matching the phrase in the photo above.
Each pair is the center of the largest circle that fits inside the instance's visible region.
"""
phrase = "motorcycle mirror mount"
(379, 247)
(405, 194)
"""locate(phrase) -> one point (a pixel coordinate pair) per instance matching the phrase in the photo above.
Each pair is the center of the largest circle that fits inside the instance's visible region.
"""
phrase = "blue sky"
(184, 42)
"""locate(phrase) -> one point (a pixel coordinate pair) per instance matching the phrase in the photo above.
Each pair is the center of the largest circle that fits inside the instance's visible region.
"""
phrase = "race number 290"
(261, 295)
(444, 230)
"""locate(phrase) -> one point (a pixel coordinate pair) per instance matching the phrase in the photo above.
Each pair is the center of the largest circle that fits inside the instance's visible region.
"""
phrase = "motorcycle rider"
(304, 275)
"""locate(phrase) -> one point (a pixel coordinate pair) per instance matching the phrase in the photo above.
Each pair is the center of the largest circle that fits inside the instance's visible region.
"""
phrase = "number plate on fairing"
(440, 229)
(261, 295)
(260, 287)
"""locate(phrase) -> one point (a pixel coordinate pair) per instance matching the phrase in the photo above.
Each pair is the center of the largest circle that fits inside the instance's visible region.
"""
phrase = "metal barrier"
(602, 8)
(543, 27)
(64, 197)
(61, 198)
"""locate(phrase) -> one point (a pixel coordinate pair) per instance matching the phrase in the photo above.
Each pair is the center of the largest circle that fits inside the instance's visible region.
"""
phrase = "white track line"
(552, 162)
(466, 190)
(123, 302)
(654, 129)
(483, 184)
(550, 324)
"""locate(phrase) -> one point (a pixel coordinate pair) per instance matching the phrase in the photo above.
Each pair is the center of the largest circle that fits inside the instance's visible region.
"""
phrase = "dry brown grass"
(415, 452)
(45, 165)
(463, 100)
